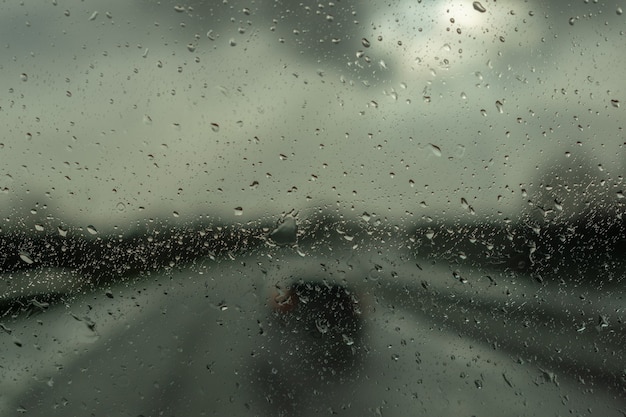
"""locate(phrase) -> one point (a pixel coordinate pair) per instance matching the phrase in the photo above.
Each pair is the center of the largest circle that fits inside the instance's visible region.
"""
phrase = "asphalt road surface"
(355, 332)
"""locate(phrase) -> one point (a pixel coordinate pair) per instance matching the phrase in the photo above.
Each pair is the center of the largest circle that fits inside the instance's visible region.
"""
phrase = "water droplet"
(460, 151)
(179, 8)
(191, 47)
(92, 230)
(366, 217)
(238, 211)
(232, 42)
(286, 233)
(365, 43)
(93, 16)
(24, 76)
(215, 127)
(615, 103)
(483, 112)
(436, 150)
(39, 227)
(147, 120)
(499, 106)
(25, 256)
(322, 325)
(62, 231)
(572, 20)
(619, 11)
(175, 214)
(620, 195)
(120, 207)
(464, 96)
(479, 7)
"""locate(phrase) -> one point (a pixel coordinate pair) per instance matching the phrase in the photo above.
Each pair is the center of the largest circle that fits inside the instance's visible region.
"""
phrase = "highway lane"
(204, 341)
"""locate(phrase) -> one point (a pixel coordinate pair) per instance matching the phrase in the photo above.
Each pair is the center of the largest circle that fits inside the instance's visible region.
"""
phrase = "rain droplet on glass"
(436, 150)
(479, 7)
(25, 256)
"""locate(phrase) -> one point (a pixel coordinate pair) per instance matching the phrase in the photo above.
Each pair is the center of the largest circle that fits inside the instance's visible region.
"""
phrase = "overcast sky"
(121, 110)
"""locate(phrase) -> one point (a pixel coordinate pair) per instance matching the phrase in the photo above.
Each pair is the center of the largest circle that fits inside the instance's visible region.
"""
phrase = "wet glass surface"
(278, 208)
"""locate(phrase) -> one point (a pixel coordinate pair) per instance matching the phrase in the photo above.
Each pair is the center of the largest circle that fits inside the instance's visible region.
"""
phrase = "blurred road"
(202, 341)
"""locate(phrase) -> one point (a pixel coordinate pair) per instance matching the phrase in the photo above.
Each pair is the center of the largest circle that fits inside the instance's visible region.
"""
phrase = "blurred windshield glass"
(301, 208)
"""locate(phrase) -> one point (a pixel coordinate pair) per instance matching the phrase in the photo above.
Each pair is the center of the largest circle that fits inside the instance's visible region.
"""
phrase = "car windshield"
(277, 208)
